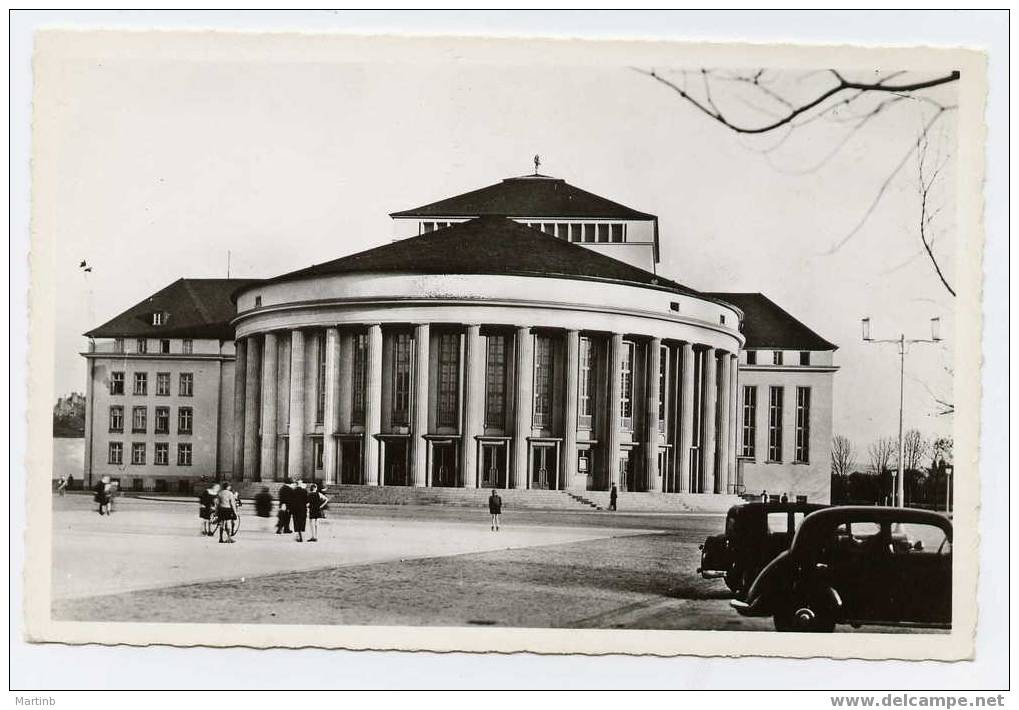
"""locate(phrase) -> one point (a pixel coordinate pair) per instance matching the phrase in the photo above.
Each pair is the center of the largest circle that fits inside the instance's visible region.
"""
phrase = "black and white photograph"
(503, 344)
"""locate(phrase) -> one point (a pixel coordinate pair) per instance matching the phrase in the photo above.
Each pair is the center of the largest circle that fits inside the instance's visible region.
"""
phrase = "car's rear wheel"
(810, 612)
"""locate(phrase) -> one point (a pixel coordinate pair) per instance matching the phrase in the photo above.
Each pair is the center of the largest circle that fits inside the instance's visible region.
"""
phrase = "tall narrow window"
(141, 345)
(449, 379)
(185, 420)
(805, 357)
(751, 357)
(164, 347)
(138, 453)
(626, 389)
(320, 380)
(576, 232)
(162, 420)
(586, 383)
(187, 384)
(663, 384)
(495, 382)
(542, 418)
(360, 367)
(187, 346)
(618, 232)
(401, 379)
(317, 454)
(161, 453)
(116, 419)
(589, 230)
(776, 357)
(118, 345)
(775, 395)
(141, 383)
(116, 383)
(802, 425)
(116, 453)
(603, 232)
(183, 454)
(139, 419)
(749, 448)
(162, 384)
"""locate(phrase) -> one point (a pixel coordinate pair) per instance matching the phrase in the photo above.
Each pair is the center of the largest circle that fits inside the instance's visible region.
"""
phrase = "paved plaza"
(404, 565)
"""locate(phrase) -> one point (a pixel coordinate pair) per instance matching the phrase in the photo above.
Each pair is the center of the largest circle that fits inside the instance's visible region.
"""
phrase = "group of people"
(300, 506)
(105, 491)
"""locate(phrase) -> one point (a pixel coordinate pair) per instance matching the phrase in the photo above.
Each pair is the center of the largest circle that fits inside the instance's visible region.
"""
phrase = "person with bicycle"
(226, 511)
(206, 504)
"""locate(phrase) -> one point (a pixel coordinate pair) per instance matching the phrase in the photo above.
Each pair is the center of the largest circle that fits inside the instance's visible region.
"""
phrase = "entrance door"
(396, 468)
(444, 465)
(663, 468)
(350, 461)
(493, 465)
(544, 467)
(626, 472)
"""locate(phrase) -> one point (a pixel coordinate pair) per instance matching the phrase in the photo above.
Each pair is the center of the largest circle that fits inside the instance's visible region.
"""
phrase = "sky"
(165, 161)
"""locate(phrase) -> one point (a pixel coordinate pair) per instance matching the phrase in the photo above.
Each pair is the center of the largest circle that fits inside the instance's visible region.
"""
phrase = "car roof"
(837, 515)
(758, 507)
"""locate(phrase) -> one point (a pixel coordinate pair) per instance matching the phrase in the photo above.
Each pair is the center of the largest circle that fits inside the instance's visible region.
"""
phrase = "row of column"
(255, 415)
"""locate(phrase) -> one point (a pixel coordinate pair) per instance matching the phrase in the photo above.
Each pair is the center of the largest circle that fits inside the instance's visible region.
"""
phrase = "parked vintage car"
(859, 565)
(754, 534)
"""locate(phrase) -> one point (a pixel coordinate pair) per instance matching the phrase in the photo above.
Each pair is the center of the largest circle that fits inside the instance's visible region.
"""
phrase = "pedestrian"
(495, 508)
(283, 515)
(226, 510)
(70, 482)
(102, 495)
(298, 505)
(785, 498)
(263, 503)
(206, 503)
(764, 496)
(112, 491)
(317, 503)
(61, 486)
(613, 497)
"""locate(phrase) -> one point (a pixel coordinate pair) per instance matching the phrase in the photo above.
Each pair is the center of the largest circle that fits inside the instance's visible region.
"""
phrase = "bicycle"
(230, 527)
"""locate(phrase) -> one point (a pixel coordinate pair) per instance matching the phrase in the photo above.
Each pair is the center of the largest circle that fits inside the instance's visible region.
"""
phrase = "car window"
(919, 539)
(778, 523)
(730, 524)
(797, 519)
(858, 531)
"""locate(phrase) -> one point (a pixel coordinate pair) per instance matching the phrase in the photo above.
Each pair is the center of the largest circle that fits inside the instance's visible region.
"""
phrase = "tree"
(914, 449)
(69, 416)
(843, 457)
(769, 103)
(881, 453)
(941, 450)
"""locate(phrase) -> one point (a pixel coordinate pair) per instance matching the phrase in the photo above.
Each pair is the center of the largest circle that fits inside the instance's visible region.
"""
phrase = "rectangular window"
(802, 425)
(116, 383)
(586, 383)
(118, 345)
(141, 383)
(320, 380)
(187, 384)
(138, 453)
(427, 227)
(162, 420)
(185, 420)
(164, 347)
(663, 383)
(139, 419)
(161, 454)
(542, 415)
(401, 379)
(603, 232)
(548, 228)
(576, 232)
(162, 384)
(749, 448)
(360, 375)
(626, 388)
(116, 455)
(157, 319)
(751, 357)
(141, 345)
(775, 395)
(589, 232)
(116, 419)
(449, 379)
(183, 454)
(187, 346)
(776, 357)
(805, 357)
(563, 231)
(495, 382)
(618, 233)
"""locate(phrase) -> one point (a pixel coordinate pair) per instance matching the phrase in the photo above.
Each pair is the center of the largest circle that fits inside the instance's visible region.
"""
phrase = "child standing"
(317, 502)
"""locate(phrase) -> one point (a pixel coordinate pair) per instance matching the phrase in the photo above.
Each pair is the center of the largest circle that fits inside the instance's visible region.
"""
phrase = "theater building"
(517, 336)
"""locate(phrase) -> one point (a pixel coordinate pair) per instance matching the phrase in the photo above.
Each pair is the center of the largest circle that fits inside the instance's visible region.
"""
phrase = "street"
(401, 565)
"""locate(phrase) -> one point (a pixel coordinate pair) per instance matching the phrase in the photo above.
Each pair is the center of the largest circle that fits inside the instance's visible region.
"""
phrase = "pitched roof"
(490, 245)
(767, 325)
(527, 196)
(193, 308)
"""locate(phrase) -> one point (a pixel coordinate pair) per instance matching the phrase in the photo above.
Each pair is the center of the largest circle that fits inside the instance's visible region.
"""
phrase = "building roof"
(527, 196)
(490, 245)
(192, 308)
(767, 325)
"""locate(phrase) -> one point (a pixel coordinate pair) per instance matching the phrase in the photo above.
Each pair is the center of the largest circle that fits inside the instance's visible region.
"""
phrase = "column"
(734, 417)
(419, 446)
(570, 414)
(240, 368)
(252, 389)
(295, 452)
(724, 412)
(654, 389)
(330, 408)
(474, 403)
(373, 406)
(267, 471)
(613, 419)
(686, 355)
(522, 403)
(709, 394)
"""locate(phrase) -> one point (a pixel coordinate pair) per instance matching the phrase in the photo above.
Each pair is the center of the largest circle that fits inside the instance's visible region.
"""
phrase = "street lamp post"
(902, 342)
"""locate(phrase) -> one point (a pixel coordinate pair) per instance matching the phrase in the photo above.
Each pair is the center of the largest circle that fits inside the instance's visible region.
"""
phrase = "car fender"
(770, 581)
